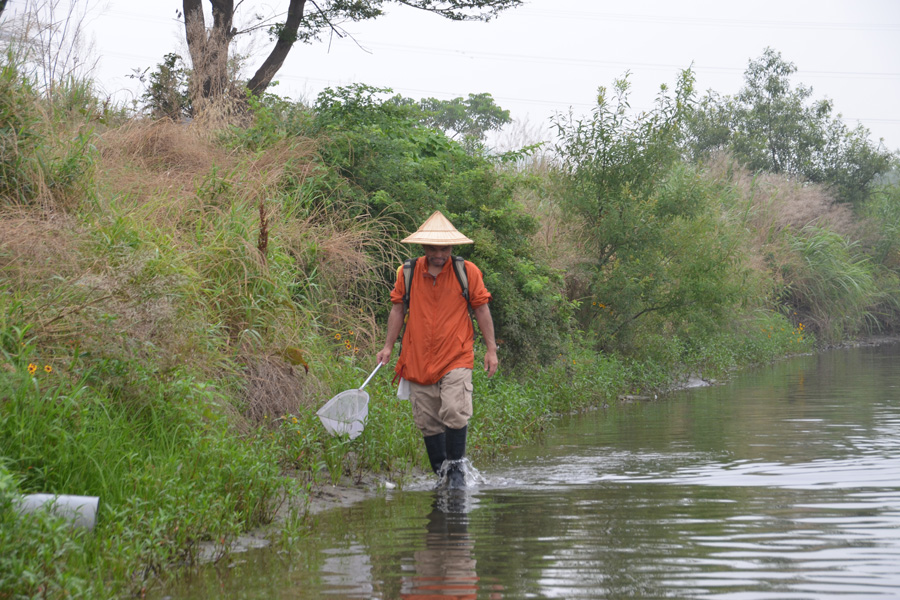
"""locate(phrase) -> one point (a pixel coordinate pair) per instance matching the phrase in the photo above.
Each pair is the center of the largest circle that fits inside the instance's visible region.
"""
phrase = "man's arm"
(395, 322)
(486, 324)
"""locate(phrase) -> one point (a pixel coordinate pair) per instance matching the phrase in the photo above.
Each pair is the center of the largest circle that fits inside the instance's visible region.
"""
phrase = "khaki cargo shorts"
(447, 403)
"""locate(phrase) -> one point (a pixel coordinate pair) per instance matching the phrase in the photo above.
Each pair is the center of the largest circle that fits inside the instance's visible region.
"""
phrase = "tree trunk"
(209, 50)
(288, 36)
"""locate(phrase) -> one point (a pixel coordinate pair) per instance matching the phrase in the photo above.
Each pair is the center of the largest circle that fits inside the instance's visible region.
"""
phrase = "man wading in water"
(437, 350)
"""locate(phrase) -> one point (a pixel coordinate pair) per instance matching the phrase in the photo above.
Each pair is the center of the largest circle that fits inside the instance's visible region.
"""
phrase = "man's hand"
(384, 355)
(486, 324)
(491, 362)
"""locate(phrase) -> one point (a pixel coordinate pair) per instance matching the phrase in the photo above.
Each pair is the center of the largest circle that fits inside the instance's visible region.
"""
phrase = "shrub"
(656, 256)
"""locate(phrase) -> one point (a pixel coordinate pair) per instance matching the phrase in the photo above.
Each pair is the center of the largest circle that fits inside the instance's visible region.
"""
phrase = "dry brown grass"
(777, 202)
(151, 158)
(145, 158)
(68, 292)
(160, 169)
(346, 255)
(275, 388)
(773, 209)
(35, 246)
(40, 259)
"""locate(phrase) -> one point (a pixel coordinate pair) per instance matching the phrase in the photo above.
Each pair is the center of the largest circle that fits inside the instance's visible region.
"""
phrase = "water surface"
(782, 484)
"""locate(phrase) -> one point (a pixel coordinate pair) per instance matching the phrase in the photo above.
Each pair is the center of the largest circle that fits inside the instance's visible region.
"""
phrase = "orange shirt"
(438, 335)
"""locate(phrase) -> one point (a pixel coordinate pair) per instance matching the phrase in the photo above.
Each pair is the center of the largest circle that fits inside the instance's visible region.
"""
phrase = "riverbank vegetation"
(177, 297)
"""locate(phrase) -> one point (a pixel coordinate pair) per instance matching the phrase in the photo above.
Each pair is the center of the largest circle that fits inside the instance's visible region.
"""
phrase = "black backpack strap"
(409, 268)
(459, 267)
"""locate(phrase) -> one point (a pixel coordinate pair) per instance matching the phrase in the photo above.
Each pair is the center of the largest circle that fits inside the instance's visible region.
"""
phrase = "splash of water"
(471, 475)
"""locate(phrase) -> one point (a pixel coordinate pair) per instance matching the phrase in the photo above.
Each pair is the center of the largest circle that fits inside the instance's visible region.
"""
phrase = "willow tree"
(302, 22)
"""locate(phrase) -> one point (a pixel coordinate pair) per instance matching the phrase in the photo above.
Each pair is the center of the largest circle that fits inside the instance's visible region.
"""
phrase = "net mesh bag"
(345, 413)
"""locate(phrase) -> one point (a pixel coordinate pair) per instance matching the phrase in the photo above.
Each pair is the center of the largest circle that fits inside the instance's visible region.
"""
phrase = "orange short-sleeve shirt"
(438, 336)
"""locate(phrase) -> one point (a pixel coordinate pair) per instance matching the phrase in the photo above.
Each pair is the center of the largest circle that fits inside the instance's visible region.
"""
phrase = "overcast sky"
(550, 56)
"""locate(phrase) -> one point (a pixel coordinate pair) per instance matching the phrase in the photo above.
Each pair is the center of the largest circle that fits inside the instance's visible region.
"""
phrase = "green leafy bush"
(20, 122)
(657, 257)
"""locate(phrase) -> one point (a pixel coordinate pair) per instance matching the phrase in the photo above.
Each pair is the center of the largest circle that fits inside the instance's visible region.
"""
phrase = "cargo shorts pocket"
(456, 395)
(467, 407)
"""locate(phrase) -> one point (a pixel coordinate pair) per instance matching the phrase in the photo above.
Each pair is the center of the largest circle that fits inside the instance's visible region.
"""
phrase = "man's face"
(437, 255)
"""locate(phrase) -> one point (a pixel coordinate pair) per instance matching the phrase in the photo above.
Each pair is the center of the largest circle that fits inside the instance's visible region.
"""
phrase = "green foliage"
(275, 119)
(167, 95)
(754, 338)
(468, 119)
(245, 293)
(37, 550)
(19, 134)
(656, 251)
(883, 211)
(151, 445)
(770, 126)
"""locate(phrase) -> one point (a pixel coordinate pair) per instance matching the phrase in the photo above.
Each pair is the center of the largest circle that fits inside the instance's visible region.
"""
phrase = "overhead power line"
(533, 58)
(709, 21)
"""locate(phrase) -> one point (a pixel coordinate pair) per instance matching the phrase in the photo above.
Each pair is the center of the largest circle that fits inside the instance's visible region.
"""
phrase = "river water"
(783, 483)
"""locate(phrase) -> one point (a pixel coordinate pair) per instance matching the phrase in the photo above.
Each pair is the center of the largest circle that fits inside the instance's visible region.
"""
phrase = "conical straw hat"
(437, 231)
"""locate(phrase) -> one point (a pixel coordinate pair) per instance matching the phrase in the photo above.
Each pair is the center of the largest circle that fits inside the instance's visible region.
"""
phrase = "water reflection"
(446, 567)
(349, 570)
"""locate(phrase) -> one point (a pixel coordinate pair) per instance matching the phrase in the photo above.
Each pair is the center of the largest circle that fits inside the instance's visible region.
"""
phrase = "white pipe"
(80, 510)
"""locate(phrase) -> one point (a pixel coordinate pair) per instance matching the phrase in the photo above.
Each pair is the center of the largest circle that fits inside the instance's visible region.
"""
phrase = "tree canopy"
(209, 47)
(773, 127)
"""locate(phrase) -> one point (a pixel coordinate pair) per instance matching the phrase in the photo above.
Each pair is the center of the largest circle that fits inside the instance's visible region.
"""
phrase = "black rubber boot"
(456, 451)
(436, 446)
